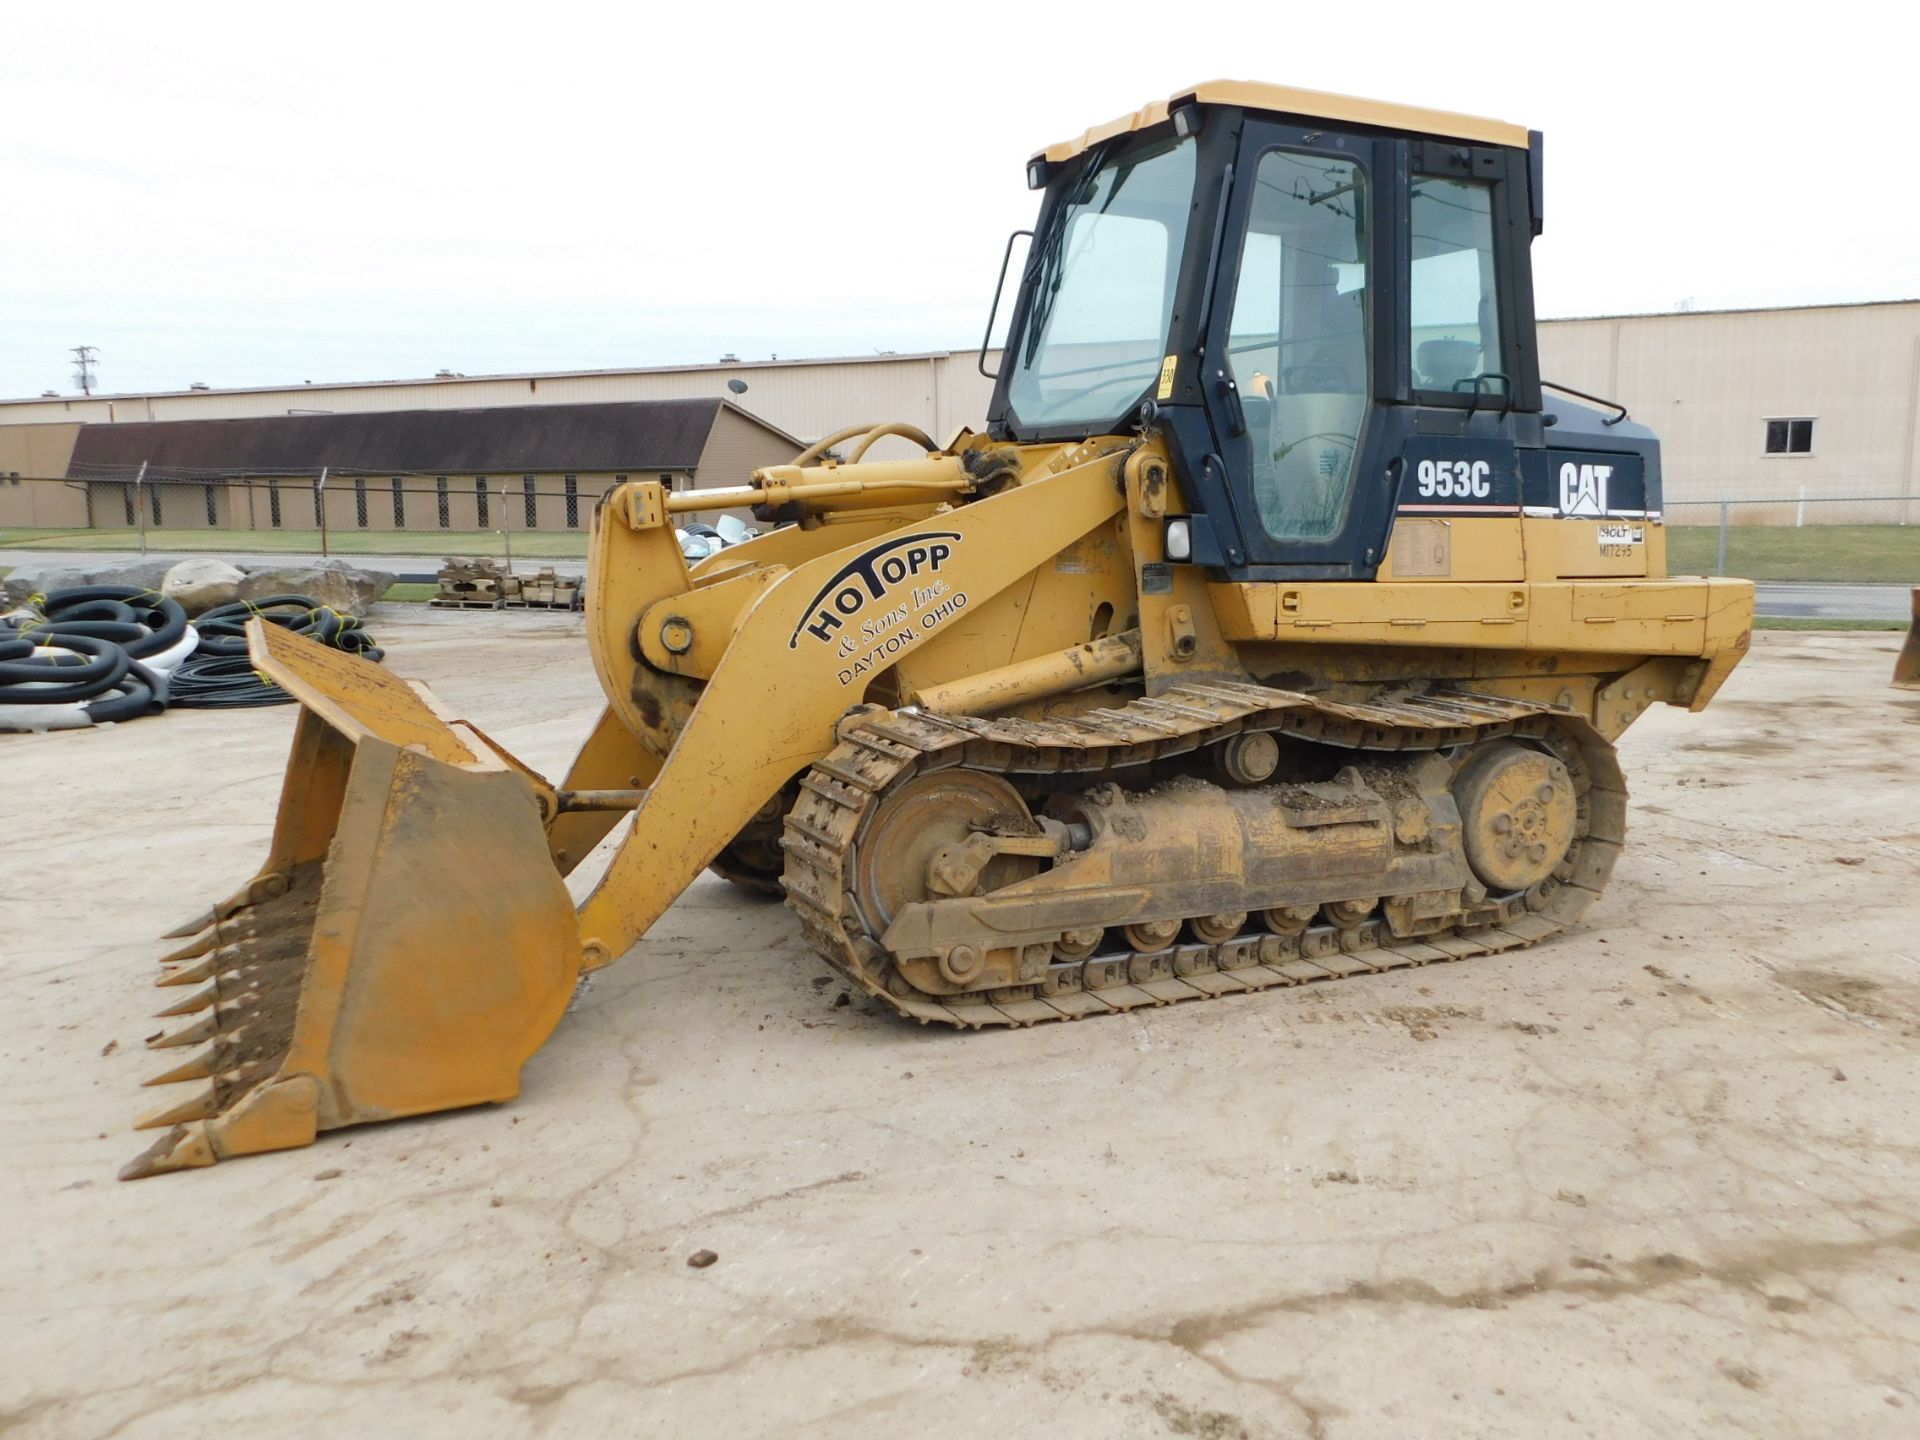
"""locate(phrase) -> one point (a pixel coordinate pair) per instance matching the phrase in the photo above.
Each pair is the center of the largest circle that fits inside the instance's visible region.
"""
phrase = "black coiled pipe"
(31, 675)
(218, 675)
(108, 629)
(143, 622)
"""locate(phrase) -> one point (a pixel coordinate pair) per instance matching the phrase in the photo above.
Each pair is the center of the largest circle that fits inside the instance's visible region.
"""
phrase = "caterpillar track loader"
(1276, 629)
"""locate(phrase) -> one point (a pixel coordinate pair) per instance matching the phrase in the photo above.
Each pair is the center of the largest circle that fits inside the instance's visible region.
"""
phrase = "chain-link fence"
(320, 513)
(1861, 537)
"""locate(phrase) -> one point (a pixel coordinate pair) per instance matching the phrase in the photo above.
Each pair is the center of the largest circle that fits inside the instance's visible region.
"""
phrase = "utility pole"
(84, 358)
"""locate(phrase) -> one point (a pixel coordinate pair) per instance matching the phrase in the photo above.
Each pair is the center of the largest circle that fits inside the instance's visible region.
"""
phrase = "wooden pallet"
(438, 603)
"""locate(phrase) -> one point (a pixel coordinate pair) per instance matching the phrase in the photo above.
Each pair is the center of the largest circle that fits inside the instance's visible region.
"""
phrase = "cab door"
(1300, 350)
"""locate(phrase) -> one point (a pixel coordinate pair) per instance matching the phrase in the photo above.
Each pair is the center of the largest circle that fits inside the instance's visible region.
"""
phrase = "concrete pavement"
(1834, 602)
(1655, 1178)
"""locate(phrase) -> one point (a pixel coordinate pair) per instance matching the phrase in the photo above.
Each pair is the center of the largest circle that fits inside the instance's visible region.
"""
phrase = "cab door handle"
(1230, 402)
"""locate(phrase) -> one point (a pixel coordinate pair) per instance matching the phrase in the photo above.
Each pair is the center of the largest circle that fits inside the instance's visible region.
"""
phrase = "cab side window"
(1455, 303)
(1297, 340)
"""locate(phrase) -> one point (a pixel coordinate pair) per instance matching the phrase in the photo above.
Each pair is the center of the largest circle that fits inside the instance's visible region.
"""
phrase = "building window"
(320, 503)
(154, 491)
(1790, 437)
(667, 481)
(126, 499)
(526, 490)
(213, 508)
(360, 502)
(273, 503)
(399, 504)
(440, 498)
(573, 503)
(480, 500)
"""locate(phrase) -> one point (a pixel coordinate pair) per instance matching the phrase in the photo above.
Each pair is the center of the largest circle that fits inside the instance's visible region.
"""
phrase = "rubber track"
(880, 751)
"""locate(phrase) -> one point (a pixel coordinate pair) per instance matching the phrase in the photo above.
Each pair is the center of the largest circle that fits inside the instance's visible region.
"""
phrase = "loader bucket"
(1906, 665)
(406, 947)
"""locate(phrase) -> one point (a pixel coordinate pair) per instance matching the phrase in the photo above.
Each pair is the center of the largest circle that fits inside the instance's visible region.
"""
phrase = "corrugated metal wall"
(806, 398)
(1706, 382)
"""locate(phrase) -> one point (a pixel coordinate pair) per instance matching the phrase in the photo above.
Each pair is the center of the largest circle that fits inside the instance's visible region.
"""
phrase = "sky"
(265, 194)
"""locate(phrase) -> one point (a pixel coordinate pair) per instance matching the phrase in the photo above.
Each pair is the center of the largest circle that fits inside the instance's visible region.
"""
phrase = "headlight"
(1179, 540)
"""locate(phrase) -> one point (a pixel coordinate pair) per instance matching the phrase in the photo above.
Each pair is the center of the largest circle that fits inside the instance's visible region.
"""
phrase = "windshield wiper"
(1043, 266)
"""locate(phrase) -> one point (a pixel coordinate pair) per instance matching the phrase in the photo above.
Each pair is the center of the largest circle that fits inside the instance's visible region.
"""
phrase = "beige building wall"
(1705, 382)
(735, 448)
(36, 448)
(49, 505)
(938, 391)
(1708, 382)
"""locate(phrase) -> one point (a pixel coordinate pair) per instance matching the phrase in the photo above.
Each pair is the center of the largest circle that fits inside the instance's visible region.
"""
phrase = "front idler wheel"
(1519, 815)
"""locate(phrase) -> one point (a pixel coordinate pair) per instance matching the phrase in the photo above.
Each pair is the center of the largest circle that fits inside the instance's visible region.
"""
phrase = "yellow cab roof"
(1313, 104)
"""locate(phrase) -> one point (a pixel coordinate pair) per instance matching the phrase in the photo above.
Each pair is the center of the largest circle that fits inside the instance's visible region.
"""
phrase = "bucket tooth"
(204, 968)
(200, 1106)
(184, 1147)
(202, 999)
(203, 921)
(203, 1029)
(201, 943)
(202, 1066)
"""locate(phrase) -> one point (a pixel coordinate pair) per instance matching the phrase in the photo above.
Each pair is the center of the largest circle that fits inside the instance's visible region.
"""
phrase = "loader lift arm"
(409, 944)
(769, 709)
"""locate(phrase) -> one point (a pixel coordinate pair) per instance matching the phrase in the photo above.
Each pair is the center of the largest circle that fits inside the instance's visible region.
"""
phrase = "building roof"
(878, 357)
(619, 436)
(1313, 104)
(1729, 310)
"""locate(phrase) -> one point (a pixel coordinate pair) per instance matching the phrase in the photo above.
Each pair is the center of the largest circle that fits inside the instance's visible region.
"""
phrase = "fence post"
(320, 507)
(1722, 570)
(140, 503)
(1800, 511)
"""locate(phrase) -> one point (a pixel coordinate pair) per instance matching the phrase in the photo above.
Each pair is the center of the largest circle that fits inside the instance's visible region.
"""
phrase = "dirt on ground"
(1660, 1177)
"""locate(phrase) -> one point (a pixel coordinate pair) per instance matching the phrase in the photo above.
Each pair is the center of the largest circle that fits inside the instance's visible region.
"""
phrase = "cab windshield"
(1102, 275)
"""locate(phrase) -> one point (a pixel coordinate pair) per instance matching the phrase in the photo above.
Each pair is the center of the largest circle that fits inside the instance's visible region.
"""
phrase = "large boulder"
(30, 579)
(203, 584)
(347, 588)
(149, 572)
(143, 573)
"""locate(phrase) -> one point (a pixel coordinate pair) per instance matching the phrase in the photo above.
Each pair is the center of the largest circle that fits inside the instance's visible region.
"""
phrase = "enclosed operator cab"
(1326, 307)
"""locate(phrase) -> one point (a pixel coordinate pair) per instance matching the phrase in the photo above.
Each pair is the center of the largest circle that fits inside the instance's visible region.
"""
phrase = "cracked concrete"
(1660, 1177)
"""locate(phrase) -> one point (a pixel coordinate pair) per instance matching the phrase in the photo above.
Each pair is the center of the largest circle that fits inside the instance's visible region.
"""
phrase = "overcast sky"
(265, 193)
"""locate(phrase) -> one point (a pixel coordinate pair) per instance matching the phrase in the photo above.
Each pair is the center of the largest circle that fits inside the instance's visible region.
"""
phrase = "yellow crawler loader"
(1276, 629)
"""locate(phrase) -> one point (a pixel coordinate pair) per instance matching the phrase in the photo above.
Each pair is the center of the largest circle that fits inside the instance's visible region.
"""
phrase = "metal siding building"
(937, 390)
(1707, 382)
(420, 469)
